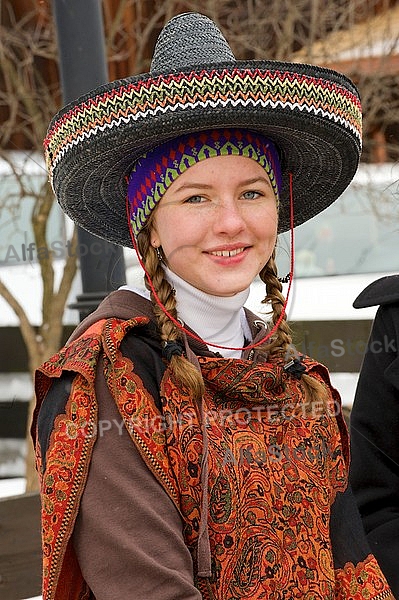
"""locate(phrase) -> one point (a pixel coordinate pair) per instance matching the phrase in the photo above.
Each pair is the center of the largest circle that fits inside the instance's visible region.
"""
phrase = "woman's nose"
(228, 218)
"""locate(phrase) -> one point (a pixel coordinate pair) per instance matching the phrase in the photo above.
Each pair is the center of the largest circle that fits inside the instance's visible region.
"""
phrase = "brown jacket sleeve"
(128, 534)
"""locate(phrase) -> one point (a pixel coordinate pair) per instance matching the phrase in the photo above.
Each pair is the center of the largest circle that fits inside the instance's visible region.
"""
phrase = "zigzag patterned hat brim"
(313, 115)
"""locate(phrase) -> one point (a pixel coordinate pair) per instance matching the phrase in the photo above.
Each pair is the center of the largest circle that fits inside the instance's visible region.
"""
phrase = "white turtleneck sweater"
(216, 319)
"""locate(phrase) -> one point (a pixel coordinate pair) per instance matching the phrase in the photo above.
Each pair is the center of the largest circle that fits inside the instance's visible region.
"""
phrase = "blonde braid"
(281, 344)
(183, 370)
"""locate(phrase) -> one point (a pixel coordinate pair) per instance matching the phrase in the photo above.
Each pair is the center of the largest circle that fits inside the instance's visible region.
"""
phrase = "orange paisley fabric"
(273, 472)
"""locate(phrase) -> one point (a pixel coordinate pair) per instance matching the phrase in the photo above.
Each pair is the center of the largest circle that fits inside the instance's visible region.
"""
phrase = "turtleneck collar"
(217, 319)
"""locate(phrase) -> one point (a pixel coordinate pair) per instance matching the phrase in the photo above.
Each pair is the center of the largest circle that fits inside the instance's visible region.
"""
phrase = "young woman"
(185, 450)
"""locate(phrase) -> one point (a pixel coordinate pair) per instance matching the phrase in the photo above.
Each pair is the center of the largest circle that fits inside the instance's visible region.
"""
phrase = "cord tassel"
(204, 560)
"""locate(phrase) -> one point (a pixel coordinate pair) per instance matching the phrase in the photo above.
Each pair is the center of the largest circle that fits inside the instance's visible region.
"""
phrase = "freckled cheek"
(181, 246)
(269, 237)
(267, 230)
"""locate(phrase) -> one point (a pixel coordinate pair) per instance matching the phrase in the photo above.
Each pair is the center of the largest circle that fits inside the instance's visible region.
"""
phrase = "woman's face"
(217, 224)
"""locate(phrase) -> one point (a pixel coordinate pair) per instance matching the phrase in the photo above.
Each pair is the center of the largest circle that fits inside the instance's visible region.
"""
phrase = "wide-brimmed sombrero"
(312, 114)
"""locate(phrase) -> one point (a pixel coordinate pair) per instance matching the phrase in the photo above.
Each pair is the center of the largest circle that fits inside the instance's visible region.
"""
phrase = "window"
(19, 186)
(359, 233)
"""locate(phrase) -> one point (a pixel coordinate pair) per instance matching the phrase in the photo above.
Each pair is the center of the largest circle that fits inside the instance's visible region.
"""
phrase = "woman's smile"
(228, 252)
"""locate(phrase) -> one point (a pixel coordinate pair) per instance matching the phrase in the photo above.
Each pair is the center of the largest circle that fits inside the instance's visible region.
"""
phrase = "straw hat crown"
(206, 44)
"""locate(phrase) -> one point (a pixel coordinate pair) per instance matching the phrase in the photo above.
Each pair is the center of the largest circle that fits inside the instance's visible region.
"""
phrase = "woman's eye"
(194, 200)
(252, 194)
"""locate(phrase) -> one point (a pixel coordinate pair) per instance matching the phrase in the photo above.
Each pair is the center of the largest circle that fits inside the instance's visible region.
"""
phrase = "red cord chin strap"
(190, 333)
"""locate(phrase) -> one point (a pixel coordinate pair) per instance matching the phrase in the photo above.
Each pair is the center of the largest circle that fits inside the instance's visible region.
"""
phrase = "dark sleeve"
(128, 535)
(53, 404)
(348, 538)
(374, 473)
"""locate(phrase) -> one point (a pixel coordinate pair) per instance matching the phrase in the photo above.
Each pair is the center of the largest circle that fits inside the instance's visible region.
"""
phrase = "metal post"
(83, 66)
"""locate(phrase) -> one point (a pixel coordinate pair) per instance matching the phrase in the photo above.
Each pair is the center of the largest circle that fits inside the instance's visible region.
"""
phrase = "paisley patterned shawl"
(273, 471)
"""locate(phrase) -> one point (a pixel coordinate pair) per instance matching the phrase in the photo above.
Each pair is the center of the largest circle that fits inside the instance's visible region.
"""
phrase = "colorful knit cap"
(155, 172)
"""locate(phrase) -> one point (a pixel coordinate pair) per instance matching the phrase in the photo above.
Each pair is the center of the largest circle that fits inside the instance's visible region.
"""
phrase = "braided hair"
(281, 345)
(183, 369)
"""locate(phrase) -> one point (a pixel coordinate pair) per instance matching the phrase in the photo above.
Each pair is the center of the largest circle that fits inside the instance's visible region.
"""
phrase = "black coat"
(375, 429)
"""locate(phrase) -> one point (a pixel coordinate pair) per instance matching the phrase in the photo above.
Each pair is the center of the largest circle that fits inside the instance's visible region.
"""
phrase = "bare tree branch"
(27, 330)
